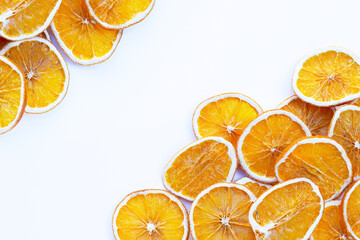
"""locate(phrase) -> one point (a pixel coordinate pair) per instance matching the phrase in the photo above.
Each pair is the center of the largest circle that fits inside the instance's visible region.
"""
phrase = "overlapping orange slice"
(255, 187)
(351, 210)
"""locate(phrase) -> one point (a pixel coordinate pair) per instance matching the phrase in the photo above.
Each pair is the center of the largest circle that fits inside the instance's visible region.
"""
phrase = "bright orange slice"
(221, 212)
(21, 19)
(263, 141)
(81, 37)
(351, 210)
(45, 70)
(150, 215)
(12, 95)
(225, 115)
(331, 225)
(4, 41)
(328, 77)
(290, 210)
(316, 118)
(118, 14)
(345, 129)
(199, 165)
(255, 187)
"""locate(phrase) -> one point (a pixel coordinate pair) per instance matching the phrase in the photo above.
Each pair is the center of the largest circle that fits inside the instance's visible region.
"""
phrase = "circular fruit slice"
(118, 14)
(290, 210)
(221, 212)
(12, 95)
(328, 77)
(255, 187)
(356, 102)
(331, 225)
(320, 159)
(81, 37)
(225, 115)
(45, 71)
(199, 165)
(150, 215)
(345, 129)
(263, 141)
(316, 118)
(21, 19)
(351, 210)
(4, 41)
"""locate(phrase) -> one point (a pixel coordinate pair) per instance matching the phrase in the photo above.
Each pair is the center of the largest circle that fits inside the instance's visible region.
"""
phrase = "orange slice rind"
(257, 188)
(351, 210)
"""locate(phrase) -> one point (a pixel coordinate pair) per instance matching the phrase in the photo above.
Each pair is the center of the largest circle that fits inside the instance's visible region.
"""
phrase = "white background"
(63, 173)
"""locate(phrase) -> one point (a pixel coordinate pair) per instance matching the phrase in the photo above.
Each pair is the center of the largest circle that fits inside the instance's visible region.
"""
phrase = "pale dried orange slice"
(263, 141)
(81, 37)
(118, 14)
(21, 19)
(255, 187)
(12, 95)
(351, 210)
(345, 128)
(316, 118)
(199, 165)
(331, 225)
(221, 212)
(150, 215)
(225, 115)
(290, 210)
(328, 77)
(44, 34)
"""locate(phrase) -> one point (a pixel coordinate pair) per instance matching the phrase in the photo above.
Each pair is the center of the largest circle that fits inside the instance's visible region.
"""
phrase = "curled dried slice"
(351, 210)
(255, 187)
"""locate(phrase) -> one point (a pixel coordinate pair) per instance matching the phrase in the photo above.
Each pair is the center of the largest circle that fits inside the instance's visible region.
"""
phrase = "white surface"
(63, 173)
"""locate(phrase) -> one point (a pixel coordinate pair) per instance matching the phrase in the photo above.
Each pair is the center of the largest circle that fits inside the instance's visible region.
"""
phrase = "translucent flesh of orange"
(266, 140)
(255, 188)
(292, 209)
(156, 210)
(347, 133)
(27, 16)
(226, 118)
(329, 76)
(316, 118)
(43, 71)
(80, 33)
(353, 211)
(116, 12)
(223, 214)
(198, 168)
(4, 41)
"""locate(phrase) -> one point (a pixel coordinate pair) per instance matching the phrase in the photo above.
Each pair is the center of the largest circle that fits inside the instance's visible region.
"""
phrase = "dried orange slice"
(255, 187)
(351, 210)
(45, 71)
(199, 165)
(21, 19)
(221, 212)
(118, 14)
(44, 34)
(331, 225)
(356, 102)
(316, 118)
(290, 210)
(328, 77)
(81, 37)
(150, 215)
(345, 129)
(12, 95)
(225, 115)
(263, 141)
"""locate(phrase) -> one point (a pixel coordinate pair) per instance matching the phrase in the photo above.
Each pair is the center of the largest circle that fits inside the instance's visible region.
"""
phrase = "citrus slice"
(328, 77)
(255, 187)
(351, 210)
(150, 215)
(263, 141)
(345, 129)
(45, 70)
(290, 210)
(225, 115)
(356, 102)
(331, 225)
(12, 95)
(316, 118)
(81, 37)
(199, 165)
(21, 19)
(221, 212)
(4, 41)
(118, 14)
